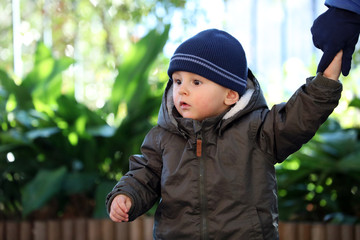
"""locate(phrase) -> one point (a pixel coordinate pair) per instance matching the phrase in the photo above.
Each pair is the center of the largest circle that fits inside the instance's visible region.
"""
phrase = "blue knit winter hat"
(215, 55)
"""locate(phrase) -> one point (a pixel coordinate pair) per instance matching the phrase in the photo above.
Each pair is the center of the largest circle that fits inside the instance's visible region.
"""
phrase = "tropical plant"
(95, 33)
(321, 181)
(58, 158)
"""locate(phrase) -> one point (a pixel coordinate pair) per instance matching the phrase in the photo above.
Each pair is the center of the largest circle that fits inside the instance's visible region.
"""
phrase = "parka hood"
(251, 100)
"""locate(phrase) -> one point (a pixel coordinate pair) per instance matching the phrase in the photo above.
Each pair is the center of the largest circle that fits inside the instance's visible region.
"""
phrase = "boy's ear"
(231, 97)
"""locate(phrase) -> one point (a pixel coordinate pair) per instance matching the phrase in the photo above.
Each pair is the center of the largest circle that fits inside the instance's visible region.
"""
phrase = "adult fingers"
(347, 55)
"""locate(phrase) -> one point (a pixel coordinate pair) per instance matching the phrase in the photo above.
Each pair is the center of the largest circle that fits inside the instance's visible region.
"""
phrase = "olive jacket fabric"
(216, 179)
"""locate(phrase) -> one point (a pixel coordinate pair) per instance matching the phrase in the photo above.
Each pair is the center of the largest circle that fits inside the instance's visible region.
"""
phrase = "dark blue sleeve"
(351, 5)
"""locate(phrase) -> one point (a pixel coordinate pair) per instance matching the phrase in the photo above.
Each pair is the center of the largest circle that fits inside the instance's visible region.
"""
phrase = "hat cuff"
(204, 68)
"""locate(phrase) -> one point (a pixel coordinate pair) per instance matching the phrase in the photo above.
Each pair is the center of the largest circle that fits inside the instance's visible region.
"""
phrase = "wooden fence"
(77, 229)
(141, 229)
(318, 231)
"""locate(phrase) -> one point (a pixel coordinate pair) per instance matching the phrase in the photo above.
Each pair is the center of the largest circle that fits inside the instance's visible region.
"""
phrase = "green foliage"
(40, 189)
(135, 67)
(45, 81)
(54, 149)
(321, 181)
(355, 103)
(95, 33)
(140, 101)
(102, 190)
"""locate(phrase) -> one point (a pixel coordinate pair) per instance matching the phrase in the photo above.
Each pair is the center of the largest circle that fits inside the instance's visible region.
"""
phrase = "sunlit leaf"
(131, 84)
(355, 103)
(42, 132)
(45, 80)
(41, 189)
(23, 97)
(102, 131)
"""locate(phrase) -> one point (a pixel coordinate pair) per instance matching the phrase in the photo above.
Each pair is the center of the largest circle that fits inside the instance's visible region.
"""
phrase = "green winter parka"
(216, 179)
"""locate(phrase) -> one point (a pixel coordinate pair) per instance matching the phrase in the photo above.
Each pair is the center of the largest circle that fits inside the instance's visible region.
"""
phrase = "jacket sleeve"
(287, 126)
(351, 5)
(142, 182)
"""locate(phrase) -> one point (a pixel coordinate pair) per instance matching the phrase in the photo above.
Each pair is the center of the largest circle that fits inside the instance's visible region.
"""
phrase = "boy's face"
(198, 98)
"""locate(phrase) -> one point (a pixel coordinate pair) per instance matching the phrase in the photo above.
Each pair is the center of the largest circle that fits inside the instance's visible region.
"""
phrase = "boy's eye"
(197, 82)
(177, 81)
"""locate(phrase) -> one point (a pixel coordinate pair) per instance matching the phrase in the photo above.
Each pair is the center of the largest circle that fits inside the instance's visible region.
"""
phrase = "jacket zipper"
(202, 182)
(198, 145)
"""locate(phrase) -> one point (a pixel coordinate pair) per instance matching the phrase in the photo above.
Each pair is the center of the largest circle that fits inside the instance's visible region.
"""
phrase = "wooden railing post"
(2, 230)
(25, 230)
(107, 229)
(137, 229)
(288, 230)
(40, 230)
(67, 229)
(357, 232)
(347, 232)
(122, 231)
(12, 230)
(53, 230)
(318, 232)
(80, 229)
(94, 229)
(148, 228)
(304, 231)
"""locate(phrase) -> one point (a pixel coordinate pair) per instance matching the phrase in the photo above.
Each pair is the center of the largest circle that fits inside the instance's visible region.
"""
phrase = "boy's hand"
(120, 207)
(334, 69)
(334, 30)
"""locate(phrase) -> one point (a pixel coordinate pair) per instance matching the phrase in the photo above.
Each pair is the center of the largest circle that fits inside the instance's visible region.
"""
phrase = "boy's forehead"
(188, 74)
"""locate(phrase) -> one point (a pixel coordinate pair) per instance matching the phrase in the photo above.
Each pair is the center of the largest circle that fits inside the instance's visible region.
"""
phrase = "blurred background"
(81, 84)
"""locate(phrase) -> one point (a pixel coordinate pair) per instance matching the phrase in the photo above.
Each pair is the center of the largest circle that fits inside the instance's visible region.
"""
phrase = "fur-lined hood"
(251, 100)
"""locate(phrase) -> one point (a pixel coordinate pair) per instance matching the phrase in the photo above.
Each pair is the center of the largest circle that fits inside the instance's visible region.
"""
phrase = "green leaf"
(288, 177)
(131, 84)
(339, 143)
(101, 131)
(351, 163)
(13, 137)
(101, 192)
(5, 148)
(355, 103)
(45, 80)
(42, 132)
(70, 111)
(45, 185)
(23, 96)
(79, 182)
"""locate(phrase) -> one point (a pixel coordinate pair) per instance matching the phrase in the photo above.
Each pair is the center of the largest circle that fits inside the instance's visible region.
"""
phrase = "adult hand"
(335, 30)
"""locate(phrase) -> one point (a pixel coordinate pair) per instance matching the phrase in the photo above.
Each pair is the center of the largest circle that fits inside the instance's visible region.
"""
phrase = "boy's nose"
(183, 90)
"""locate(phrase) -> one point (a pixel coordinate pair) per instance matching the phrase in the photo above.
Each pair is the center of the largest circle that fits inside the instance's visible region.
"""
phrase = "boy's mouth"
(184, 105)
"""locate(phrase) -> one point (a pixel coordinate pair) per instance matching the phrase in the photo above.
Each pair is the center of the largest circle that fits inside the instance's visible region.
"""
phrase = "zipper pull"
(198, 145)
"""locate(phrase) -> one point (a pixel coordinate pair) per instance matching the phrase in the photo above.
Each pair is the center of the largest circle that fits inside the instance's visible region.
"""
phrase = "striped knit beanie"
(215, 55)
